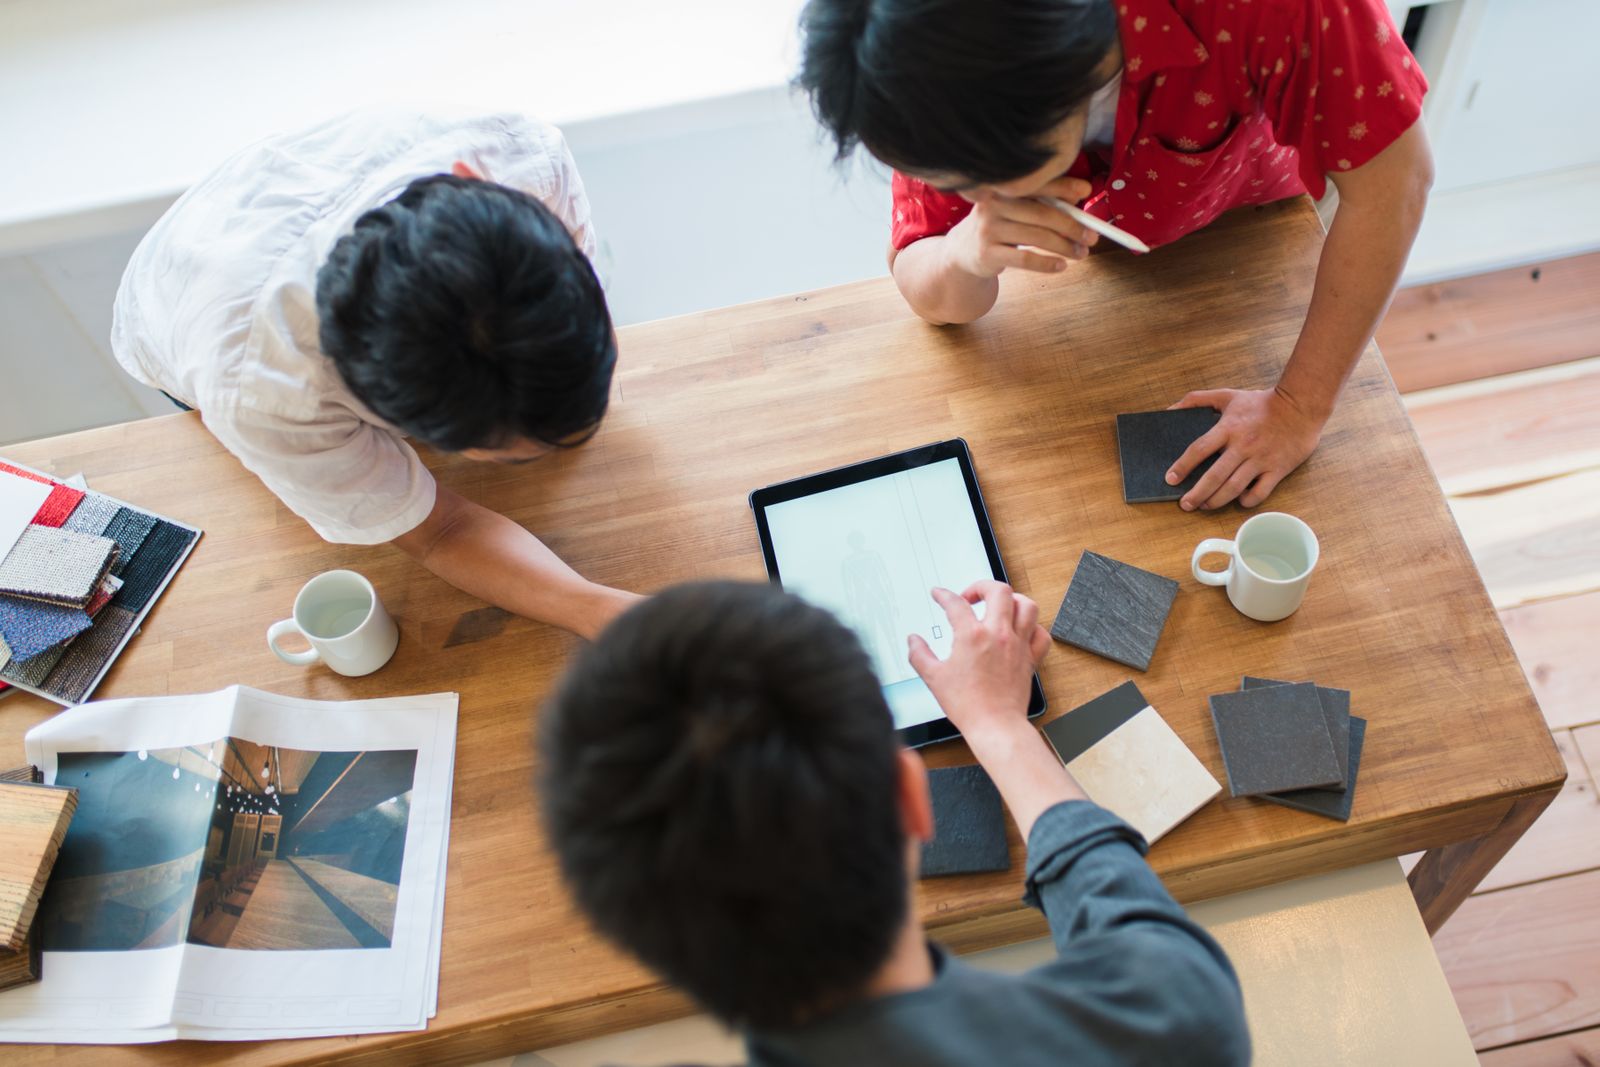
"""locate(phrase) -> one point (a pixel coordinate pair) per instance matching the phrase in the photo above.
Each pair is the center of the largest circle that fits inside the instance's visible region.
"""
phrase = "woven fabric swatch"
(5, 654)
(61, 502)
(73, 678)
(156, 558)
(92, 515)
(33, 671)
(55, 565)
(102, 596)
(128, 528)
(31, 626)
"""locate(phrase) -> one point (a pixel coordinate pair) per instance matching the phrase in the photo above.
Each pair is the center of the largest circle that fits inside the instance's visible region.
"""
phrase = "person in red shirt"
(1157, 116)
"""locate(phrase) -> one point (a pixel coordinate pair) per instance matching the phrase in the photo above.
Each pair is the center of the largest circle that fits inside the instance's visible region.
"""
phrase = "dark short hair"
(464, 313)
(963, 87)
(719, 782)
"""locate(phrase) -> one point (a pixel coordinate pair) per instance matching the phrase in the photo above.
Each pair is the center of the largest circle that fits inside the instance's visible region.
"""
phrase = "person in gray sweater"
(723, 785)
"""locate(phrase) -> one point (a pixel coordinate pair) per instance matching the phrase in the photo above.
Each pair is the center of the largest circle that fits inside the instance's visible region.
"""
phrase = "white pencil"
(1100, 226)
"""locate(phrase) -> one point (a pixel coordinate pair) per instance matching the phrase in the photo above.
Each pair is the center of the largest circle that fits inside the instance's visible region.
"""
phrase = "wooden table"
(1457, 759)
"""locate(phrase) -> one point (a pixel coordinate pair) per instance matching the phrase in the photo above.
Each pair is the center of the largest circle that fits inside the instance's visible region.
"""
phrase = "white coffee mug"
(1270, 563)
(340, 614)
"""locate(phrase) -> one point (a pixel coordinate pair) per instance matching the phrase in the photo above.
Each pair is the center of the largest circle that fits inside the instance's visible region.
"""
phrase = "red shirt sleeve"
(921, 211)
(1337, 83)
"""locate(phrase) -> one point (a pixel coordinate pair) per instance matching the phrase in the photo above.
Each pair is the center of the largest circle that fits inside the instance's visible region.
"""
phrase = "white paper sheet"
(20, 501)
(196, 991)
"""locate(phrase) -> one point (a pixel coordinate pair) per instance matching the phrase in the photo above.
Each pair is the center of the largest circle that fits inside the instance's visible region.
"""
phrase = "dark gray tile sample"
(1334, 803)
(128, 528)
(1085, 726)
(1274, 739)
(1114, 610)
(157, 557)
(969, 824)
(1150, 442)
(1335, 709)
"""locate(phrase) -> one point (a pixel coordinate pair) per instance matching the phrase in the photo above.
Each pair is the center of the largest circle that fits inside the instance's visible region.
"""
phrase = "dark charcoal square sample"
(156, 557)
(1150, 442)
(969, 825)
(1274, 739)
(128, 528)
(1334, 803)
(1114, 610)
(1335, 709)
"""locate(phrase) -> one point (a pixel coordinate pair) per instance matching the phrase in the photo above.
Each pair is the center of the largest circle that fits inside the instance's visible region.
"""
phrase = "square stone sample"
(1114, 610)
(1274, 739)
(1150, 442)
(1335, 710)
(969, 824)
(1131, 762)
(1333, 803)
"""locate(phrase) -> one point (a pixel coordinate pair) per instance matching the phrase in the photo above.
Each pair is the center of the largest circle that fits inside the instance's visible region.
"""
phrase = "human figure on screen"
(869, 597)
(1157, 116)
(729, 801)
(328, 293)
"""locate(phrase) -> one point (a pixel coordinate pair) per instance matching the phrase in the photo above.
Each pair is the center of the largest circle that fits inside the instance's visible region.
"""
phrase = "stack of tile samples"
(33, 823)
(78, 571)
(1293, 744)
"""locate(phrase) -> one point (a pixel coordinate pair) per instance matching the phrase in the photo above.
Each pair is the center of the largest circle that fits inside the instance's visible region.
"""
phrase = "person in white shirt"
(325, 294)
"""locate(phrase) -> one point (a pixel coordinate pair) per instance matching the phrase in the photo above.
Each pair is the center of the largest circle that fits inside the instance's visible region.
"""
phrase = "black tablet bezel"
(940, 729)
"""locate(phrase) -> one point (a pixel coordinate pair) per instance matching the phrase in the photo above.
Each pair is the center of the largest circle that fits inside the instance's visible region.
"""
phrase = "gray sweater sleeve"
(1122, 939)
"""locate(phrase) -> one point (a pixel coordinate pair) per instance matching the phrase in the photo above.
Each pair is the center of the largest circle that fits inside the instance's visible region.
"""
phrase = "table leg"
(1447, 875)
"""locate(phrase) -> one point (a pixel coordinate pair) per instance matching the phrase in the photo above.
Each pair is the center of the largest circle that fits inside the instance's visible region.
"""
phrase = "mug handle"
(299, 659)
(1204, 548)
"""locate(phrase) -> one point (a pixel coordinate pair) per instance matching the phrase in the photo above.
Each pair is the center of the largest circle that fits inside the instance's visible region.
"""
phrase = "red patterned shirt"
(1225, 103)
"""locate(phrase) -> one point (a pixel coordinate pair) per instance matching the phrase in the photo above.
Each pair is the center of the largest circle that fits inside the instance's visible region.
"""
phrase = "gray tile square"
(1114, 610)
(1274, 739)
(1335, 710)
(1149, 442)
(969, 825)
(1333, 803)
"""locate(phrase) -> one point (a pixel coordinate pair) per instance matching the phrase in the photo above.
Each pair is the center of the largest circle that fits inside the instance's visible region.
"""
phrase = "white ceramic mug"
(1270, 563)
(340, 614)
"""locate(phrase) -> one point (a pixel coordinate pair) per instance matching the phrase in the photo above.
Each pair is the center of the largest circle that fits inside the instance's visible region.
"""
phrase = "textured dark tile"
(157, 556)
(128, 528)
(1274, 739)
(1336, 712)
(1334, 803)
(73, 678)
(1150, 442)
(1114, 610)
(969, 826)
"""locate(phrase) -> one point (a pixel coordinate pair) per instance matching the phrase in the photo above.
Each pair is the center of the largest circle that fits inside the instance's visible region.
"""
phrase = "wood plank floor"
(1517, 452)
(285, 912)
(371, 898)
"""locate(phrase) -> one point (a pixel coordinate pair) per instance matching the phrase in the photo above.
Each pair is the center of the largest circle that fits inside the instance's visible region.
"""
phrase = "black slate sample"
(157, 555)
(969, 826)
(1083, 727)
(1335, 710)
(1150, 442)
(1274, 739)
(1114, 610)
(1334, 803)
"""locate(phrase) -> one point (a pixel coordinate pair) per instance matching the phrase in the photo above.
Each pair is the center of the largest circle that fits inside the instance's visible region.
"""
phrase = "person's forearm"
(486, 554)
(936, 288)
(1361, 261)
(1030, 778)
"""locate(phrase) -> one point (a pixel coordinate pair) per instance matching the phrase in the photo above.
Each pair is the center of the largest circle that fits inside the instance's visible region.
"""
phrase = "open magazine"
(242, 866)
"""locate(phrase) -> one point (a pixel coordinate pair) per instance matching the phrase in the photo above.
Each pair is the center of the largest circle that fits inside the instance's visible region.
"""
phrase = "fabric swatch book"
(241, 866)
(79, 571)
(1131, 762)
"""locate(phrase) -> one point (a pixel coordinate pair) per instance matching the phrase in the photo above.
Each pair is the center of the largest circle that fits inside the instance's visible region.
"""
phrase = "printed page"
(299, 894)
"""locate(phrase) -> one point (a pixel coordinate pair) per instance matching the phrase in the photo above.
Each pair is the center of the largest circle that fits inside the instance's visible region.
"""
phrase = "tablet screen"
(871, 551)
